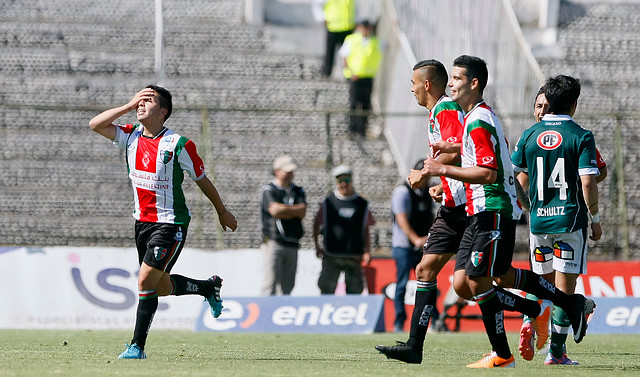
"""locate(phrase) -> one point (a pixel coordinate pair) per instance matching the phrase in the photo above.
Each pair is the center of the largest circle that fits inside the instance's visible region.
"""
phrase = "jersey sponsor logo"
(563, 250)
(549, 140)
(542, 254)
(145, 160)
(487, 160)
(550, 211)
(477, 257)
(452, 139)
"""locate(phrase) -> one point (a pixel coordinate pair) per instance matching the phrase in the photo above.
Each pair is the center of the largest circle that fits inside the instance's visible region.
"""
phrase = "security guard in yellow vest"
(340, 20)
(361, 57)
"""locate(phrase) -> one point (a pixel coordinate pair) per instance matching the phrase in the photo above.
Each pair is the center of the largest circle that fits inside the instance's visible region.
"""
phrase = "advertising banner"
(326, 314)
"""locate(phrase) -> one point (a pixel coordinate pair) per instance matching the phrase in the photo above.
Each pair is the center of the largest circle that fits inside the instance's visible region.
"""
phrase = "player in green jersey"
(556, 158)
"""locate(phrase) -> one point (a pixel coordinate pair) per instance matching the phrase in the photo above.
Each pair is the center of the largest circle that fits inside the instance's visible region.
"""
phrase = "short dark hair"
(562, 92)
(435, 72)
(540, 91)
(164, 99)
(475, 67)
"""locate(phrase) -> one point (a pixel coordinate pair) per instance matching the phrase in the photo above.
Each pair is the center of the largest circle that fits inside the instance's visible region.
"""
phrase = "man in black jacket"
(283, 206)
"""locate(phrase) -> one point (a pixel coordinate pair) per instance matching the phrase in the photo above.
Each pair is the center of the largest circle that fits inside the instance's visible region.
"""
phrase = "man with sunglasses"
(343, 219)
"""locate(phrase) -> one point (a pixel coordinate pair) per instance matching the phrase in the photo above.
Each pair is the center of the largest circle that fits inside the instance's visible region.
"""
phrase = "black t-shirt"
(284, 231)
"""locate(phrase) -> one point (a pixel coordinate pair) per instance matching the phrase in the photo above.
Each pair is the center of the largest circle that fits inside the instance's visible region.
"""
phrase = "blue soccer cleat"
(133, 352)
(215, 302)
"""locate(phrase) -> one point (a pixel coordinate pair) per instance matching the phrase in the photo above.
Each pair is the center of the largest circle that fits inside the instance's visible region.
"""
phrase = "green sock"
(559, 331)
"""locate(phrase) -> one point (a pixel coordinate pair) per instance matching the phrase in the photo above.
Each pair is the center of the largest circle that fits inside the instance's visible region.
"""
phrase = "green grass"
(182, 353)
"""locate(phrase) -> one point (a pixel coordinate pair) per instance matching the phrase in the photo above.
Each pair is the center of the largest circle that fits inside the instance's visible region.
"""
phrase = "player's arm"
(226, 218)
(522, 185)
(317, 223)
(602, 175)
(473, 174)
(103, 122)
(590, 192)
(287, 211)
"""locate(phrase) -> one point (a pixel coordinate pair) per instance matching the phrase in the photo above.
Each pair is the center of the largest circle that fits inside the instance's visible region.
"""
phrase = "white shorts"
(563, 252)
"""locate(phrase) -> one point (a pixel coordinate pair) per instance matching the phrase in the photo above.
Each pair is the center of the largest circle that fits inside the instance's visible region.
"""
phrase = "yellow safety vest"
(363, 59)
(340, 15)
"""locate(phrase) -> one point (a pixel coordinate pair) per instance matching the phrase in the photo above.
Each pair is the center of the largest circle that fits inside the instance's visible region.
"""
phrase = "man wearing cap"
(283, 206)
(343, 219)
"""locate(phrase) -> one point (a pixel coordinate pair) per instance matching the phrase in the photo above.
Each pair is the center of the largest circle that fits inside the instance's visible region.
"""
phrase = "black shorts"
(487, 245)
(159, 245)
(446, 231)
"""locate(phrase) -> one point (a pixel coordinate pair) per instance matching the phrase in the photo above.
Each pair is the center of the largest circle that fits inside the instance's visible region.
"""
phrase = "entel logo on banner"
(344, 314)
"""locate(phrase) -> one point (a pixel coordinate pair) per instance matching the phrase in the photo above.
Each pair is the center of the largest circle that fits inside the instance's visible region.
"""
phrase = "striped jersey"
(156, 168)
(445, 124)
(555, 152)
(484, 144)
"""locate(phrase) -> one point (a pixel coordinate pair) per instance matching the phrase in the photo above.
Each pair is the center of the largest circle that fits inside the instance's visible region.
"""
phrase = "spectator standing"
(361, 56)
(412, 215)
(343, 219)
(339, 17)
(283, 206)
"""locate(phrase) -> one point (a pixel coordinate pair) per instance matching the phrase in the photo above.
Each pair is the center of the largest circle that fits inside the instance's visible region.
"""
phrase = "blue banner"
(327, 314)
(615, 316)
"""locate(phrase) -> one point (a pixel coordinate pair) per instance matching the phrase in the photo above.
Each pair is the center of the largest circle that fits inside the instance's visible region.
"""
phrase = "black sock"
(533, 283)
(426, 296)
(516, 303)
(493, 320)
(147, 306)
(183, 285)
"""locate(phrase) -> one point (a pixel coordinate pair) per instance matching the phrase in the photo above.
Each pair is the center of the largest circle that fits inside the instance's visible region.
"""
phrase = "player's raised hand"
(436, 192)
(143, 95)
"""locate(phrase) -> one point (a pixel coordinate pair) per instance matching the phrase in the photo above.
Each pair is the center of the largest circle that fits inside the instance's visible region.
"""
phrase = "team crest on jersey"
(166, 156)
(549, 140)
(476, 258)
(159, 252)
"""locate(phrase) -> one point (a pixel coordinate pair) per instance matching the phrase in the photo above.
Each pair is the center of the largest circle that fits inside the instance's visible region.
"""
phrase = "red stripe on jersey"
(601, 163)
(484, 148)
(468, 193)
(148, 210)
(147, 154)
(448, 199)
(198, 165)
(127, 128)
(450, 126)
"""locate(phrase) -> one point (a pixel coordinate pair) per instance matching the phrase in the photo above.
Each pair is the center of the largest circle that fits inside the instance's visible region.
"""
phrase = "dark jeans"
(359, 99)
(334, 40)
(406, 260)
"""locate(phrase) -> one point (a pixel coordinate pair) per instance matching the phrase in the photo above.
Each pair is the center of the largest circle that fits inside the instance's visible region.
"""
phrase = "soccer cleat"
(215, 302)
(527, 336)
(564, 360)
(541, 323)
(492, 360)
(401, 351)
(581, 307)
(132, 352)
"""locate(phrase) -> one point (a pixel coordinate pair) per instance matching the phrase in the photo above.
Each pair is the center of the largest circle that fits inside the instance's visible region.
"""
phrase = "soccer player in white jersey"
(156, 160)
(559, 159)
(428, 84)
(486, 249)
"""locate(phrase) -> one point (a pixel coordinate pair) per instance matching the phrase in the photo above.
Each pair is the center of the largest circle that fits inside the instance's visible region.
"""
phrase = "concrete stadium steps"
(45, 62)
(124, 12)
(105, 38)
(223, 93)
(601, 16)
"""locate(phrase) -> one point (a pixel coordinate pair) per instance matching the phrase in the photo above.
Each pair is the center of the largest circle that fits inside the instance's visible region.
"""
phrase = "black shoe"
(582, 307)
(401, 351)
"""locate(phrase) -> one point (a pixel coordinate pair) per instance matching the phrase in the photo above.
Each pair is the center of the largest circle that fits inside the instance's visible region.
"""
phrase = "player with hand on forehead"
(157, 159)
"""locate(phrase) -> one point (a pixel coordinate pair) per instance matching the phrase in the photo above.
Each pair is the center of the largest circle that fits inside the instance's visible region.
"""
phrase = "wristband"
(595, 218)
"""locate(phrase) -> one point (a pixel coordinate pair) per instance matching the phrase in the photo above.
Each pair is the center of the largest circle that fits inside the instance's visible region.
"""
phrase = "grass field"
(182, 353)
